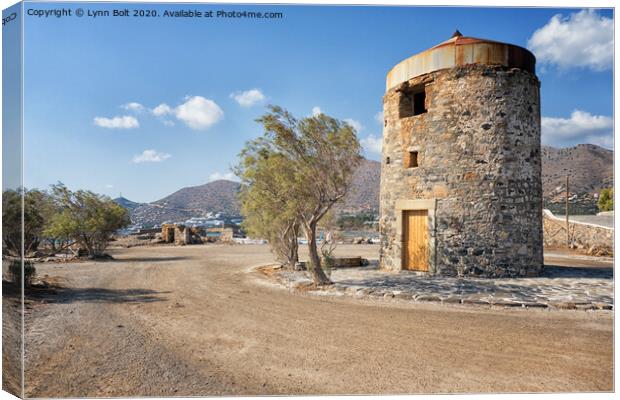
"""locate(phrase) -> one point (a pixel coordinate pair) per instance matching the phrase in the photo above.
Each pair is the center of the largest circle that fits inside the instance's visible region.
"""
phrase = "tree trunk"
(318, 275)
(285, 246)
(90, 250)
(294, 252)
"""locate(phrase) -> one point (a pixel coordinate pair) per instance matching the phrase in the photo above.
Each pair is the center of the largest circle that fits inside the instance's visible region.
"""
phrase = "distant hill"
(195, 201)
(590, 168)
(217, 196)
(364, 192)
(128, 204)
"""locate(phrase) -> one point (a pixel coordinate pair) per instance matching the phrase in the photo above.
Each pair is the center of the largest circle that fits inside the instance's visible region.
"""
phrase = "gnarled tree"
(321, 155)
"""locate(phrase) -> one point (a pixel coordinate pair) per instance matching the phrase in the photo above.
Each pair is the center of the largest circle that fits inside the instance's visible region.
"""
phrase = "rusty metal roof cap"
(461, 50)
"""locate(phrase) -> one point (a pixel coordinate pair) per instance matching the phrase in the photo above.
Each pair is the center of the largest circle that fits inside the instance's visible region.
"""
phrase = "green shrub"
(606, 200)
(15, 272)
(327, 263)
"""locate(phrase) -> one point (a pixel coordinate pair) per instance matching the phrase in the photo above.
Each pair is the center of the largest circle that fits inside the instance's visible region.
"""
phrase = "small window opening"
(418, 103)
(412, 102)
(411, 159)
(387, 160)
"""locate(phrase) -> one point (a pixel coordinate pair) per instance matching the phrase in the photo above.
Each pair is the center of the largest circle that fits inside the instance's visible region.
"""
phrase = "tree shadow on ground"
(11, 289)
(558, 271)
(65, 295)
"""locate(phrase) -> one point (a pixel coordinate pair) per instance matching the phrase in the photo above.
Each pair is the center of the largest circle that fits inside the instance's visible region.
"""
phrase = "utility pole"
(567, 225)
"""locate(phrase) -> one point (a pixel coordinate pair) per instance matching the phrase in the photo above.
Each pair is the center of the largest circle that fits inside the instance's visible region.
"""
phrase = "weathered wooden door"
(415, 240)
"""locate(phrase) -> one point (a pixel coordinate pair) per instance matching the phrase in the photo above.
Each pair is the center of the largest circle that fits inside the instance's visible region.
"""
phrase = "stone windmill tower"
(461, 190)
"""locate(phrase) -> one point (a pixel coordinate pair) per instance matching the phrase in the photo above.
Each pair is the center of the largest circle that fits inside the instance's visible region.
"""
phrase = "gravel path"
(195, 320)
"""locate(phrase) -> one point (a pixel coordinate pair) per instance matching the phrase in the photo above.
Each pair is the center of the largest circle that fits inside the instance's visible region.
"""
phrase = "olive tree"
(321, 155)
(86, 218)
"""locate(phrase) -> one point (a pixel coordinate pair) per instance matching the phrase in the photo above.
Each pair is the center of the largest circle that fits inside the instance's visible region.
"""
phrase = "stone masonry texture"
(479, 161)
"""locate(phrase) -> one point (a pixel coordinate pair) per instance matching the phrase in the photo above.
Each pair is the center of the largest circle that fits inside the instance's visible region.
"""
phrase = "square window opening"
(419, 100)
(412, 102)
(412, 159)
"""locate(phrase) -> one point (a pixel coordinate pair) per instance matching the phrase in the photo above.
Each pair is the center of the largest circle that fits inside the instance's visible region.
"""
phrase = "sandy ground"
(11, 339)
(193, 321)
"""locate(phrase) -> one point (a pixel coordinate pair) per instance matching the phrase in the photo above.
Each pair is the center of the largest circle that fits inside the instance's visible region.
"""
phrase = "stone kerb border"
(295, 283)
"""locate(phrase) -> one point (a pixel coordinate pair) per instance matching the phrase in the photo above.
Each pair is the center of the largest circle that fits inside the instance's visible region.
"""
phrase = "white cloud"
(196, 112)
(124, 122)
(161, 110)
(316, 110)
(109, 186)
(218, 175)
(579, 123)
(372, 144)
(248, 98)
(199, 113)
(354, 124)
(583, 39)
(133, 106)
(379, 118)
(150, 156)
(606, 141)
(581, 127)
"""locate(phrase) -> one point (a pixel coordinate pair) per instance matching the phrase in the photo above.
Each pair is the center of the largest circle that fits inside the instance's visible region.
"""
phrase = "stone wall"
(167, 233)
(478, 173)
(227, 235)
(177, 234)
(182, 235)
(580, 234)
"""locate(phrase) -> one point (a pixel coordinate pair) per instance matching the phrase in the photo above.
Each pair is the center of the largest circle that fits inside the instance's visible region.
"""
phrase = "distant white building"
(203, 222)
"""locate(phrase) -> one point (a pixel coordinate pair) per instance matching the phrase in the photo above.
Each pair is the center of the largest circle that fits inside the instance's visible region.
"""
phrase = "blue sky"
(11, 94)
(198, 84)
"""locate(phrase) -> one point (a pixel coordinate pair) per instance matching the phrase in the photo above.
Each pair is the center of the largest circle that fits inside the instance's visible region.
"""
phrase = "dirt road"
(192, 321)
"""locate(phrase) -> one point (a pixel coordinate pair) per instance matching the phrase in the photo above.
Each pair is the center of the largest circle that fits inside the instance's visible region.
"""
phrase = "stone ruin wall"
(479, 157)
(177, 234)
(167, 233)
